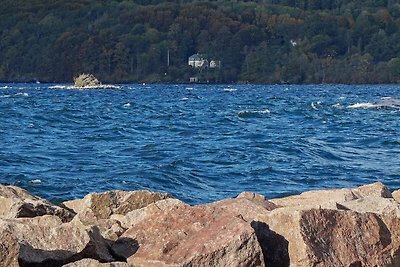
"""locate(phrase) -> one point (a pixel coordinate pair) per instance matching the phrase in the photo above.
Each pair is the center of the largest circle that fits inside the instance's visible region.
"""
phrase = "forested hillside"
(270, 41)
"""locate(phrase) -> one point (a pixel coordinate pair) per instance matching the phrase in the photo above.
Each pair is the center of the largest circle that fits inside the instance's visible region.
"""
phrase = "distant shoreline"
(188, 83)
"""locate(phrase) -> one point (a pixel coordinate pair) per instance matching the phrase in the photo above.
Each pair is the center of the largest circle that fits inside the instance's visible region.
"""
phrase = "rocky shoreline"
(341, 227)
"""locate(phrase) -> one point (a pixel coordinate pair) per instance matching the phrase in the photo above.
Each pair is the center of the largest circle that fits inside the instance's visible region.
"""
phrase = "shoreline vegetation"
(261, 42)
(337, 227)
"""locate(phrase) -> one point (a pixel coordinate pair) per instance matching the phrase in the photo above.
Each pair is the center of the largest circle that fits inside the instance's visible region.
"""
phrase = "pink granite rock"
(191, 236)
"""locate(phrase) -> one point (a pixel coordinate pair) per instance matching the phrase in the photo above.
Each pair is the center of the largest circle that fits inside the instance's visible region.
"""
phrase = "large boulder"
(191, 236)
(322, 237)
(347, 238)
(16, 202)
(50, 245)
(98, 208)
(9, 249)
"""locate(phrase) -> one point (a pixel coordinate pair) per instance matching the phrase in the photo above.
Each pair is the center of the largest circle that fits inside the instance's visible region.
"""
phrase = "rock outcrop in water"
(88, 81)
(340, 227)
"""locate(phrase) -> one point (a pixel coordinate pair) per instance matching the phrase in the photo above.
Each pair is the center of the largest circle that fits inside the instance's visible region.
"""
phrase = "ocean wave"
(362, 105)
(101, 86)
(252, 113)
(337, 105)
(22, 94)
(15, 95)
(62, 87)
(315, 105)
(230, 89)
(384, 102)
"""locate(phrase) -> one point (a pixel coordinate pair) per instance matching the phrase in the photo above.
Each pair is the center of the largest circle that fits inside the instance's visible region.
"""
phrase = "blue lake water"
(199, 142)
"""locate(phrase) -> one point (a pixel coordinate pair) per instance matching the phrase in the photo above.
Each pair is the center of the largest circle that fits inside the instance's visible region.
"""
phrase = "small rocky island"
(88, 81)
(341, 227)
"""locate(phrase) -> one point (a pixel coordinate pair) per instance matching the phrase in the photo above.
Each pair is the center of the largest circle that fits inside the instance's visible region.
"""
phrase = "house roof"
(196, 57)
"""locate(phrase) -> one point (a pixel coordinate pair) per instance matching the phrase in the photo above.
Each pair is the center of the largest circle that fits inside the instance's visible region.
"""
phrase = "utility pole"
(168, 58)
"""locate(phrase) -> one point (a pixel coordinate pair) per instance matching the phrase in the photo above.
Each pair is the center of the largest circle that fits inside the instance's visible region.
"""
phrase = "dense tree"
(264, 41)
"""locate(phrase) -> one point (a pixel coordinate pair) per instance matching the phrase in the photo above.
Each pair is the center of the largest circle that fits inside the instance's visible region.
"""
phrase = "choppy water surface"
(199, 142)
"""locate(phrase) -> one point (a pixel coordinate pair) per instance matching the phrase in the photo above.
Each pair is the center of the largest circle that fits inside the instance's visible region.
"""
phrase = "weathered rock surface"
(191, 236)
(95, 263)
(378, 205)
(45, 220)
(241, 207)
(396, 195)
(329, 198)
(9, 249)
(258, 199)
(97, 206)
(347, 238)
(110, 229)
(135, 216)
(15, 202)
(49, 245)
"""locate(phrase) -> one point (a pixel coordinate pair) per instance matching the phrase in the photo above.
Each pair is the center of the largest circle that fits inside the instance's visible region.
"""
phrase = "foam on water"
(362, 105)
(315, 105)
(230, 89)
(62, 87)
(101, 86)
(22, 94)
(251, 113)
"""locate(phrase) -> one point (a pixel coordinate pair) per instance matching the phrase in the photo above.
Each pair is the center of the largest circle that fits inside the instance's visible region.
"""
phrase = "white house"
(197, 61)
(215, 64)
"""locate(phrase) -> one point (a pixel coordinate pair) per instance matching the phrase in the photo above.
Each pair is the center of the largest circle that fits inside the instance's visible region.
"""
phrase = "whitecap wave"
(362, 105)
(315, 105)
(252, 113)
(230, 89)
(62, 87)
(22, 94)
(337, 105)
(101, 86)
(127, 105)
(383, 103)
(184, 99)
(5, 87)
